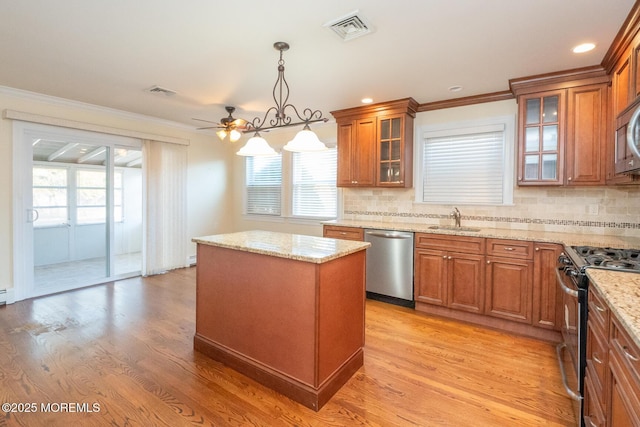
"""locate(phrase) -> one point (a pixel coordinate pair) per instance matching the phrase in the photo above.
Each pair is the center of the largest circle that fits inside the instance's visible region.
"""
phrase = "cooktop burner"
(610, 258)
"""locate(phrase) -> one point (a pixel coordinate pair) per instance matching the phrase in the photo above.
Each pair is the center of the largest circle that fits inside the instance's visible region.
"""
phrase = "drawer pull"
(597, 307)
(629, 356)
(595, 359)
(509, 249)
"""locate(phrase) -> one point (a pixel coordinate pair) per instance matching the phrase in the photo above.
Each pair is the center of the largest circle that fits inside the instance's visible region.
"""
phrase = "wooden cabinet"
(446, 274)
(375, 144)
(508, 279)
(596, 375)
(341, 232)
(546, 300)
(356, 153)
(612, 379)
(624, 366)
(563, 128)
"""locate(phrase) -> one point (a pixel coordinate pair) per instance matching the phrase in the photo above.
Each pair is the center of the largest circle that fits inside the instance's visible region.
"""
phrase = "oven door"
(569, 350)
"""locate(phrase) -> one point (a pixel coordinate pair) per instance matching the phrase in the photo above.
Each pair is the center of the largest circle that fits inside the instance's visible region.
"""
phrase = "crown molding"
(54, 100)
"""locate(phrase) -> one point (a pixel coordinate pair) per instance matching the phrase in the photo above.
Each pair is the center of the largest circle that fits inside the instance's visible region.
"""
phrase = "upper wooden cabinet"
(562, 128)
(375, 144)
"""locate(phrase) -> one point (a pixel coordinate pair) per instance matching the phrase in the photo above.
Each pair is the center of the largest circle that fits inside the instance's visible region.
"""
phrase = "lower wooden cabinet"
(612, 380)
(341, 232)
(508, 283)
(547, 304)
(448, 278)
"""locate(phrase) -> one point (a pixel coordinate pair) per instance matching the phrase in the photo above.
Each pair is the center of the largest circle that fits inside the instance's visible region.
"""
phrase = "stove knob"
(562, 259)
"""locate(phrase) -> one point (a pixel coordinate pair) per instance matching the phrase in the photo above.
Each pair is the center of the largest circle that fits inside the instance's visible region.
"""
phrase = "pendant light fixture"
(276, 117)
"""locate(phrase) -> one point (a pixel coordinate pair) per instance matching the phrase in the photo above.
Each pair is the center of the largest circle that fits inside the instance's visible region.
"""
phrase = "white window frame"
(286, 213)
(506, 123)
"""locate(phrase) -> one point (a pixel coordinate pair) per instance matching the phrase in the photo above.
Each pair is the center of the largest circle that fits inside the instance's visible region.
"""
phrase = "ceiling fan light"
(234, 135)
(256, 146)
(305, 141)
(222, 134)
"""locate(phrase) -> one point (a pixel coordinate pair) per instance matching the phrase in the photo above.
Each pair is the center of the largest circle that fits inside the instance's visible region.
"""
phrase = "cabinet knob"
(488, 262)
(537, 249)
(631, 162)
(448, 257)
(569, 179)
(444, 257)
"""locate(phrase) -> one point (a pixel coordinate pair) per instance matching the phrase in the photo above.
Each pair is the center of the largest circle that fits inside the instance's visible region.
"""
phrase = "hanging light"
(256, 146)
(305, 140)
(233, 135)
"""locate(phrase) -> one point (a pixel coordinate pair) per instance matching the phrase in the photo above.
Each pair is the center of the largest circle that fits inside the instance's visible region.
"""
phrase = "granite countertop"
(622, 291)
(284, 245)
(568, 239)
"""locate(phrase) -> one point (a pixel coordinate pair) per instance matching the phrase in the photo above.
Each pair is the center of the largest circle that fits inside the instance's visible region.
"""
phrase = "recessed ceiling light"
(584, 47)
(366, 100)
(456, 88)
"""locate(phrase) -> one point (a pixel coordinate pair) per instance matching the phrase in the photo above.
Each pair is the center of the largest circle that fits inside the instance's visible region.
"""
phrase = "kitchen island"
(286, 310)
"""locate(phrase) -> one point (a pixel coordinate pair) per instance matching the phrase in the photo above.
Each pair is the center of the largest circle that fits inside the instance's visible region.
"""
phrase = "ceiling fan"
(229, 126)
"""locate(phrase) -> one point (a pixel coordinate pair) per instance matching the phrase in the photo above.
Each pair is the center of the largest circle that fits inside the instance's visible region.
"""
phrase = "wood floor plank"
(128, 346)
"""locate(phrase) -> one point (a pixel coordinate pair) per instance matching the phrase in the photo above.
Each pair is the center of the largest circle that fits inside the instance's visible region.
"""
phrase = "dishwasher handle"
(389, 235)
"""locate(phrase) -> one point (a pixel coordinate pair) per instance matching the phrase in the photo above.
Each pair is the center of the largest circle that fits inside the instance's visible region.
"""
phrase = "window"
(298, 185)
(315, 194)
(264, 185)
(50, 196)
(91, 196)
(468, 163)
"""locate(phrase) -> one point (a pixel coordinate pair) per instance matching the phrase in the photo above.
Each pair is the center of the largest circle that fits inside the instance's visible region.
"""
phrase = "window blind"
(464, 169)
(263, 185)
(314, 184)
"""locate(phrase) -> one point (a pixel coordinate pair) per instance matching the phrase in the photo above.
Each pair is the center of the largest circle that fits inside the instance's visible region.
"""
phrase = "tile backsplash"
(589, 210)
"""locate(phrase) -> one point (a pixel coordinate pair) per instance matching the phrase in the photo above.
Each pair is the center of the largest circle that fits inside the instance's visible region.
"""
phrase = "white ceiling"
(215, 53)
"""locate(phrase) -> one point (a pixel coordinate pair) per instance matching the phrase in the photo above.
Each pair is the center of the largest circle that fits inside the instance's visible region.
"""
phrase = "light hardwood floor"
(128, 347)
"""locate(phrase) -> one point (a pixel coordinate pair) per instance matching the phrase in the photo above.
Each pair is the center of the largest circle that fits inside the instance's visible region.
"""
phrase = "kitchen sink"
(454, 228)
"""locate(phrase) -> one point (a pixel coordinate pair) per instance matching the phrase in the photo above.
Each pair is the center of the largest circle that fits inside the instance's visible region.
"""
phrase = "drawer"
(346, 233)
(626, 350)
(598, 310)
(597, 357)
(510, 248)
(443, 242)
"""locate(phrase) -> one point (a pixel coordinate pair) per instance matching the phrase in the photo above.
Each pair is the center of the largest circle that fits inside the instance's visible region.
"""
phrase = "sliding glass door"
(83, 219)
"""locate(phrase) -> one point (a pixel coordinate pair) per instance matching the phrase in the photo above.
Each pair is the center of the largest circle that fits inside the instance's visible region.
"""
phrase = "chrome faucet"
(456, 216)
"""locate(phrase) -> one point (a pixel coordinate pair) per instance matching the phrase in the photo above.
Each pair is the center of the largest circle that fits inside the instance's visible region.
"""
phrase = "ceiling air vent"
(350, 26)
(160, 91)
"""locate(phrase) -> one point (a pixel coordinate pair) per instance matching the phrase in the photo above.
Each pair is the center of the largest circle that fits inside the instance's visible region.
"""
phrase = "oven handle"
(564, 287)
(572, 394)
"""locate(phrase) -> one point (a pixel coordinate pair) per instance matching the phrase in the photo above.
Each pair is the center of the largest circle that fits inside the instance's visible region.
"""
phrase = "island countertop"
(284, 245)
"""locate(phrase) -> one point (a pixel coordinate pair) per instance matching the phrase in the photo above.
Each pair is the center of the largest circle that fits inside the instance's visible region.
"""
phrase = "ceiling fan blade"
(211, 127)
(203, 120)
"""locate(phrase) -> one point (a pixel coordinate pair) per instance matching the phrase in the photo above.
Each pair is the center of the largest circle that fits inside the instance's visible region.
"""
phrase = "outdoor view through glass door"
(86, 213)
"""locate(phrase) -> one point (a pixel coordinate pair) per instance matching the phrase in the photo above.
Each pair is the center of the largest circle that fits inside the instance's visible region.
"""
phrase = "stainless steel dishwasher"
(390, 266)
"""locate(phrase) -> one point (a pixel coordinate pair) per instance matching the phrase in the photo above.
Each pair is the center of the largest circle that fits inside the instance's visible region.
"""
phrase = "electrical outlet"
(592, 209)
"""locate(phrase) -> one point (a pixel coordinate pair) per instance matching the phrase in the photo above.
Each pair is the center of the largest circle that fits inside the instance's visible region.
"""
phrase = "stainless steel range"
(573, 282)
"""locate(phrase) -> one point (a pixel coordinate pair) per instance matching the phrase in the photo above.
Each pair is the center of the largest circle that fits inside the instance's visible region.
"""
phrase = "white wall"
(209, 185)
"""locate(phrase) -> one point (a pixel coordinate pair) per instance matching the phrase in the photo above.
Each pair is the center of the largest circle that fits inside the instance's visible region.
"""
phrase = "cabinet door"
(391, 147)
(586, 135)
(430, 276)
(466, 282)
(546, 300)
(541, 138)
(593, 413)
(346, 141)
(624, 409)
(508, 284)
(363, 152)
(621, 83)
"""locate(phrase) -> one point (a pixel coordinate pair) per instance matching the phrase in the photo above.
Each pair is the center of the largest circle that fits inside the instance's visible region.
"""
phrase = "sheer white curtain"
(165, 180)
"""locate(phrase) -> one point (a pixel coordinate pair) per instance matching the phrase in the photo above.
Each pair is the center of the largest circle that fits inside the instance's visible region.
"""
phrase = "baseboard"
(7, 296)
(312, 398)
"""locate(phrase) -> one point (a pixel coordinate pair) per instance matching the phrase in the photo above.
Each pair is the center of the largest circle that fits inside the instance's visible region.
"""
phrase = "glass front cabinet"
(390, 163)
(541, 139)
